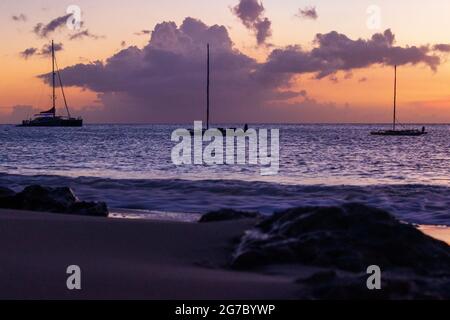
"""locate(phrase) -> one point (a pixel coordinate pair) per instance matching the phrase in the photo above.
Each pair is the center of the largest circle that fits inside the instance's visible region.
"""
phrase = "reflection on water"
(310, 154)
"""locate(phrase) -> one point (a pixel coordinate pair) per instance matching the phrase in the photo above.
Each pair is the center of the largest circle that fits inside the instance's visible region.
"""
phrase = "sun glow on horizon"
(367, 89)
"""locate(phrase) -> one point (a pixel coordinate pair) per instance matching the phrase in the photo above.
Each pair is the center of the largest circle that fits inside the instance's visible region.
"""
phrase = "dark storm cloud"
(44, 30)
(251, 14)
(19, 18)
(308, 13)
(336, 52)
(165, 80)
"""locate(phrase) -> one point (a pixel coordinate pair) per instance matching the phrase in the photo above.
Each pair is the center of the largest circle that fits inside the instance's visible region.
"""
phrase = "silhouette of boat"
(222, 130)
(49, 118)
(394, 131)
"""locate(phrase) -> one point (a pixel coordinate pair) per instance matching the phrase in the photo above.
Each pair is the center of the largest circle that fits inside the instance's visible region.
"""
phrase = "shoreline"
(437, 232)
(416, 204)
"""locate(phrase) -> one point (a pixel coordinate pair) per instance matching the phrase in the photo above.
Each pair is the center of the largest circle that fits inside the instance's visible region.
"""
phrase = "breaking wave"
(421, 204)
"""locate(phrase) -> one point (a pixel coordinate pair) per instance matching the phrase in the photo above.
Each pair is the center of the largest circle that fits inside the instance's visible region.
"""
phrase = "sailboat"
(394, 131)
(208, 72)
(49, 118)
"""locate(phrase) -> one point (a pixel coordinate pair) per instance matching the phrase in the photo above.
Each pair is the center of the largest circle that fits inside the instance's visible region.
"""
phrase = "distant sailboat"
(394, 131)
(49, 118)
(208, 72)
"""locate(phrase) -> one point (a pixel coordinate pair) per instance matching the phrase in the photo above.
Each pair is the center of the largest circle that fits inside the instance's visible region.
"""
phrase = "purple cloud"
(165, 80)
(44, 52)
(44, 30)
(47, 49)
(28, 53)
(336, 52)
(251, 13)
(442, 47)
(308, 13)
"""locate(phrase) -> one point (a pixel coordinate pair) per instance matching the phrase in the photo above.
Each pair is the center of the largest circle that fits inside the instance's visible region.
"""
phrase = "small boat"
(395, 131)
(49, 118)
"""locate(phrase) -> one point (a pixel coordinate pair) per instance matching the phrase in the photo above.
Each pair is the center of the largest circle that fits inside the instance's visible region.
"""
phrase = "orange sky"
(424, 96)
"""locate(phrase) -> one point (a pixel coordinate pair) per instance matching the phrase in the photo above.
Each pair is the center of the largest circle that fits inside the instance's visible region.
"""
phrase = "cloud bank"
(165, 80)
(336, 52)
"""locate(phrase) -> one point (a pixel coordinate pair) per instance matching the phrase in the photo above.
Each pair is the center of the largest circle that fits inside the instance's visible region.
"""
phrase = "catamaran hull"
(54, 123)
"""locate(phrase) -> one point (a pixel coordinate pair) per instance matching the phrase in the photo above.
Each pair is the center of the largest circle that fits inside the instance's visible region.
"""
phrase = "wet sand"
(134, 259)
(125, 259)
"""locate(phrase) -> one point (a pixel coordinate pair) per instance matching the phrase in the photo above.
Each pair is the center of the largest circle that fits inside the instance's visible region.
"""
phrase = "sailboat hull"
(399, 133)
(52, 122)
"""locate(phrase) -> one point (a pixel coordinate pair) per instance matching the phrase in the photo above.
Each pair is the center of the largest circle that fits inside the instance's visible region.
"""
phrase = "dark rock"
(351, 238)
(45, 199)
(393, 287)
(95, 209)
(227, 215)
(56, 200)
(320, 277)
(5, 192)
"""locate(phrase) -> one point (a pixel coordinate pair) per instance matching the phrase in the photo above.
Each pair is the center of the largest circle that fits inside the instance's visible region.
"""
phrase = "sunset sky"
(268, 64)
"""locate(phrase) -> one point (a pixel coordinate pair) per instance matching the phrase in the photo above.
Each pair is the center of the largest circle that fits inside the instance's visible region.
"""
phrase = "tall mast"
(395, 99)
(207, 92)
(53, 80)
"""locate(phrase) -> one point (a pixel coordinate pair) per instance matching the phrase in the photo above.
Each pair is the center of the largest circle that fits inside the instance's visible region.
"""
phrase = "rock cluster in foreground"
(54, 200)
(343, 242)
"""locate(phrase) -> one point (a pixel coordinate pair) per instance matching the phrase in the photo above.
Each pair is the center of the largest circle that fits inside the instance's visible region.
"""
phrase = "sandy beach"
(133, 259)
(125, 259)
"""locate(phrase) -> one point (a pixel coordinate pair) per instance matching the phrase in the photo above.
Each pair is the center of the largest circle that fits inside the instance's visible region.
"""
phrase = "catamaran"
(395, 131)
(49, 118)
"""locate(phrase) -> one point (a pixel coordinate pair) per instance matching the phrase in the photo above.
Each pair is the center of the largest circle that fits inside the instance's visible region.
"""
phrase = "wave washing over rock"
(421, 204)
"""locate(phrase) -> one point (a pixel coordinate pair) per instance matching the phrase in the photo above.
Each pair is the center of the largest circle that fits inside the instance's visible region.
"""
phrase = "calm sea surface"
(128, 166)
(310, 154)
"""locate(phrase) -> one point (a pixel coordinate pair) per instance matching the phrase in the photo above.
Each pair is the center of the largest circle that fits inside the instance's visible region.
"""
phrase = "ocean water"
(130, 167)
